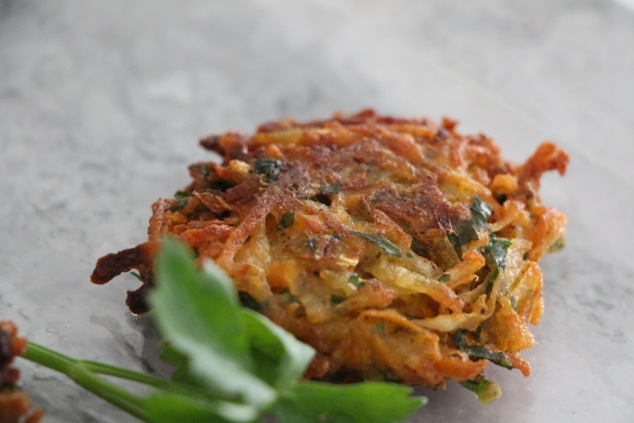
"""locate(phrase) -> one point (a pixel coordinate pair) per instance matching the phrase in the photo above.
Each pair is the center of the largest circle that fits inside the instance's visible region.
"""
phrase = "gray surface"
(101, 104)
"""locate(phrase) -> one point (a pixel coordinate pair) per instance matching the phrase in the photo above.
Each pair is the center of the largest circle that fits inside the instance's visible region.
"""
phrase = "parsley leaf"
(369, 402)
(171, 407)
(280, 358)
(215, 342)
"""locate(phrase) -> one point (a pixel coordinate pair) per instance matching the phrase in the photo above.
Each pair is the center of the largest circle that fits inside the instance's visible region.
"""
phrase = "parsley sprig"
(233, 365)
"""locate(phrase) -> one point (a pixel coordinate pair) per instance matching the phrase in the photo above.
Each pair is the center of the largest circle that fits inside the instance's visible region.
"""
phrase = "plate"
(102, 110)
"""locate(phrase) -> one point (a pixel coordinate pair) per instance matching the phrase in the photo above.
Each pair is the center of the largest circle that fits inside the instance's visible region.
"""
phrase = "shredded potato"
(399, 249)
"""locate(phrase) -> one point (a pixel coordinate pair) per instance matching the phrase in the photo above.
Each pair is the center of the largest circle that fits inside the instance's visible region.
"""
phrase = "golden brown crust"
(398, 248)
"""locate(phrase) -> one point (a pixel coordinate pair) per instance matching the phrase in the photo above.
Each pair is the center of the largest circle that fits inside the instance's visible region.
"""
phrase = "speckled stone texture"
(102, 104)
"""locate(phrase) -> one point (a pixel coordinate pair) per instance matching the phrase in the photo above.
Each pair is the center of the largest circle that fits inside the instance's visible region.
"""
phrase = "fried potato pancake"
(399, 249)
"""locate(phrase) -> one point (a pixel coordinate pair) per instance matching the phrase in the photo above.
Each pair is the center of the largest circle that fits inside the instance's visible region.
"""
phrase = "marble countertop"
(102, 104)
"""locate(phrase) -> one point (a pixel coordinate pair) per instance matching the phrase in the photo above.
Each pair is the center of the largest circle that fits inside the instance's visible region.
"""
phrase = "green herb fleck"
(332, 189)
(337, 299)
(380, 328)
(311, 244)
(381, 242)
(287, 219)
(269, 168)
(479, 352)
(468, 230)
(444, 278)
(182, 194)
(495, 256)
(496, 250)
(355, 280)
(559, 245)
(480, 212)
(514, 302)
(205, 169)
(477, 334)
(289, 297)
(179, 204)
(138, 276)
(486, 391)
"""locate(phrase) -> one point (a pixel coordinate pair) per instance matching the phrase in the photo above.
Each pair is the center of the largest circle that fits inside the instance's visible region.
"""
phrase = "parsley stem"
(84, 377)
(109, 370)
(108, 391)
(149, 380)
